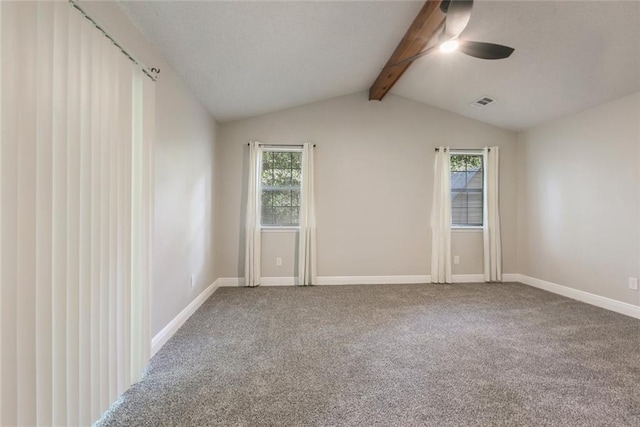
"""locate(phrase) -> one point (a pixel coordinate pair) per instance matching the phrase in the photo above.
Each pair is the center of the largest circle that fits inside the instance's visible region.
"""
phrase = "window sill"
(467, 229)
(283, 229)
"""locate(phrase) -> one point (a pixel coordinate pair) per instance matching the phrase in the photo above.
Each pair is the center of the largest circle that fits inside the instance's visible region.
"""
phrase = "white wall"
(578, 188)
(184, 160)
(374, 178)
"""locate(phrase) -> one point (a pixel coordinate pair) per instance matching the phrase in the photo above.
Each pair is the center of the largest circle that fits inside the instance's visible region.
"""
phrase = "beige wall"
(184, 159)
(374, 178)
(578, 189)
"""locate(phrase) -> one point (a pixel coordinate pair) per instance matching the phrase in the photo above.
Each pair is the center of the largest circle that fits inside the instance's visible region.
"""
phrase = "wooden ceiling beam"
(423, 29)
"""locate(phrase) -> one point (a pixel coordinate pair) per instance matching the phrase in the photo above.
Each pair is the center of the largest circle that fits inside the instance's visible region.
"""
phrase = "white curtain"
(491, 228)
(307, 237)
(252, 220)
(441, 219)
(76, 132)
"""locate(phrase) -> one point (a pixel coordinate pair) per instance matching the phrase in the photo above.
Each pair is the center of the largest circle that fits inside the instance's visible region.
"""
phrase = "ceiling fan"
(458, 13)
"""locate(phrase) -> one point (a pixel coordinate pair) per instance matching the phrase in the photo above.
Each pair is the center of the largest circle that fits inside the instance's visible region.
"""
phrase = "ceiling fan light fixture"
(449, 46)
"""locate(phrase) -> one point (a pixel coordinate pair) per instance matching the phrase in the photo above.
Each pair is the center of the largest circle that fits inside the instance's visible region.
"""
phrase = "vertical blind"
(76, 131)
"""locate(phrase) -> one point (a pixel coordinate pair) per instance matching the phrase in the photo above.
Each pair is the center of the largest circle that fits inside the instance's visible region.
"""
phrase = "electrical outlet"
(633, 283)
(456, 259)
(278, 261)
(192, 280)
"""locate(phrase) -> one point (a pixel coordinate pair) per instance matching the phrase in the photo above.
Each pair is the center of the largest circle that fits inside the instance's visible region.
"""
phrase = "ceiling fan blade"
(485, 50)
(458, 15)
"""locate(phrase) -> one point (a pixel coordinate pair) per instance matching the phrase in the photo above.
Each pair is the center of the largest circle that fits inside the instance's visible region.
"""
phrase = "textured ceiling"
(249, 58)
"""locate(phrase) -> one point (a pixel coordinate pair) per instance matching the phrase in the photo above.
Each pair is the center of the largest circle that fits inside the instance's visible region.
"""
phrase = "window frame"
(469, 152)
(276, 148)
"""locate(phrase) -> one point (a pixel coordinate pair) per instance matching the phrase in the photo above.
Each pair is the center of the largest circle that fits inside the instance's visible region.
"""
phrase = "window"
(280, 187)
(467, 186)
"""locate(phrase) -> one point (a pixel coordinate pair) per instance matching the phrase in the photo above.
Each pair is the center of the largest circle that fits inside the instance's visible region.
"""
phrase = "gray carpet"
(392, 355)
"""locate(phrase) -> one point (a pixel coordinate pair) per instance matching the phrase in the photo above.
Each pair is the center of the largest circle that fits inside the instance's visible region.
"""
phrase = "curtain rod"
(280, 145)
(150, 72)
(460, 149)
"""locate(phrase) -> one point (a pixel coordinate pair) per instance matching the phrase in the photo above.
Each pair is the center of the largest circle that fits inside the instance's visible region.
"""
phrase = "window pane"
(458, 180)
(296, 177)
(280, 187)
(457, 163)
(458, 199)
(286, 177)
(475, 179)
(467, 182)
(282, 215)
(474, 163)
(459, 208)
(281, 160)
(281, 198)
(458, 216)
(475, 216)
(295, 160)
(474, 200)
(266, 160)
(278, 180)
(266, 177)
(267, 215)
(266, 198)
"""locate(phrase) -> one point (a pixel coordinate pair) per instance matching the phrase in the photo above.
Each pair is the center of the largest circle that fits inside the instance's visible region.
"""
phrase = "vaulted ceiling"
(244, 59)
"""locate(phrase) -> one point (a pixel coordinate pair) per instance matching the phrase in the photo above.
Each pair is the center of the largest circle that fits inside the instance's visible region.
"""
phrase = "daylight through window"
(467, 182)
(280, 187)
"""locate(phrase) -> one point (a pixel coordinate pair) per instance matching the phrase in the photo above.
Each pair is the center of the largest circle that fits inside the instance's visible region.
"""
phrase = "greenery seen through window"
(280, 188)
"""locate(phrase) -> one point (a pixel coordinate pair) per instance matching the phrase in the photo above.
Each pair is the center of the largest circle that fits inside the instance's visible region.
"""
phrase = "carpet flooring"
(391, 355)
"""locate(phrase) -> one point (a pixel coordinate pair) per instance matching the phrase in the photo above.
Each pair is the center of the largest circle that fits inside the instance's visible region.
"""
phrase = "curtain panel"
(441, 219)
(252, 220)
(491, 228)
(307, 235)
(76, 174)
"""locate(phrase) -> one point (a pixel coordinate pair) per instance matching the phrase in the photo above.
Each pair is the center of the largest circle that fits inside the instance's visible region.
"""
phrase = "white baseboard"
(589, 298)
(510, 277)
(226, 282)
(479, 278)
(172, 327)
(372, 280)
(278, 281)
(467, 278)
(233, 282)
(362, 280)
(329, 280)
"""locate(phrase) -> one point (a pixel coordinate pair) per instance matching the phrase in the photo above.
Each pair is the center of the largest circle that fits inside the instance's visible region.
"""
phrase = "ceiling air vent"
(483, 102)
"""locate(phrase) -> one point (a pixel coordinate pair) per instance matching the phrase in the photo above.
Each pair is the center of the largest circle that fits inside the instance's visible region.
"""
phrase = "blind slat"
(26, 334)
(86, 115)
(73, 209)
(60, 219)
(44, 212)
(9, 40)
(86, 249)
